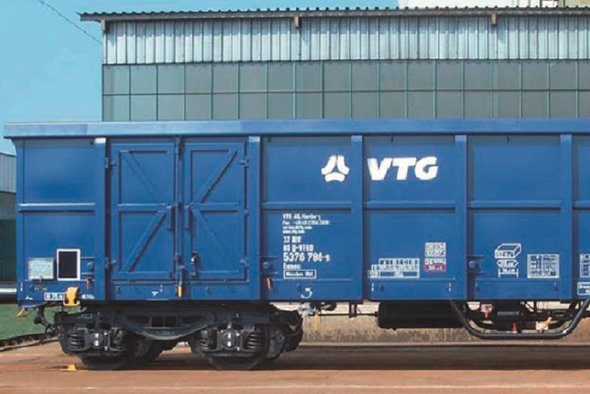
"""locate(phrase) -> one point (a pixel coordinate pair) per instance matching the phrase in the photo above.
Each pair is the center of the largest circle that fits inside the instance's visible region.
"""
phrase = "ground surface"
(457, 368)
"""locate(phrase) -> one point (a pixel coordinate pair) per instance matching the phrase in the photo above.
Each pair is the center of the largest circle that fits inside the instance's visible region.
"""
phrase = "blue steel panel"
(289, 170)
(518, 236)
(387, 182)
(581, 252)
(201, 248)
(581, 192)
(57, 229)
(21, 253)
(67, 213)
(462, 220)
(402, 267)
(514, 168)
(48, 175)
(214, 211)
(357, 252)
(516, 226)
(100, 280)
(581, 169)
(302, 127)
(309, 207)
(410, 209)
(253, 226)
(142, 202)
(567, 216)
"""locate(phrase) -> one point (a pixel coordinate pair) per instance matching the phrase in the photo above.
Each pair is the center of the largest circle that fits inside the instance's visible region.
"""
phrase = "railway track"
(26, 340)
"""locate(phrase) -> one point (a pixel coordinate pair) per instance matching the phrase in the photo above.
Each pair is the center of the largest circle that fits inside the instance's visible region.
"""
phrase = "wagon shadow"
(411, 357)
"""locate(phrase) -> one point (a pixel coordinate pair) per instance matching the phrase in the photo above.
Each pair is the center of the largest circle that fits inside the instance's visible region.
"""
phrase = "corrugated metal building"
(491, 3)
(478, 3)
(7, 217)
(347, 63)
(7, 174)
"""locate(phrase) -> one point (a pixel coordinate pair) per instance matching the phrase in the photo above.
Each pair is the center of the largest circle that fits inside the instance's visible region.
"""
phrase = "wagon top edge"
(298, 128)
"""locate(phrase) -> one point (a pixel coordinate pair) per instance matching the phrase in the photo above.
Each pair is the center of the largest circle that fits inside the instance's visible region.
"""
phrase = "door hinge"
(108, 163)
(244, 162)
(179, 145)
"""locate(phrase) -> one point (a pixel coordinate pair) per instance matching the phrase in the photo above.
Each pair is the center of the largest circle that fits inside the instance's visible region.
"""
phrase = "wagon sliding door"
(214, 220)
(142, 219)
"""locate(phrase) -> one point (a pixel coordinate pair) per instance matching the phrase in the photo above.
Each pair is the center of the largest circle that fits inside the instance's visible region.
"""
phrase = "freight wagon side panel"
(312, 218)
(60, 221)
(581, 216)
(415, 217)
(381, 212)
(305, 211)
(520, 218)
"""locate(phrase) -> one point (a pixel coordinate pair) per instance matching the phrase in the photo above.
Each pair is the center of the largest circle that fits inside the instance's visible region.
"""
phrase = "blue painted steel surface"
(308, 210)
(299, 127)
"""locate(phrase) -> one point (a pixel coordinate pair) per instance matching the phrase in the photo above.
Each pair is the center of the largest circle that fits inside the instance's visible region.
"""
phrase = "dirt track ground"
(456, 368)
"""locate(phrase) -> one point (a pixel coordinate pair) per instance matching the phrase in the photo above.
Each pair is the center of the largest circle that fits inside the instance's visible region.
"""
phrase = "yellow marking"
(70, 368)
(179, 291)
(72, 297)
(22, 312)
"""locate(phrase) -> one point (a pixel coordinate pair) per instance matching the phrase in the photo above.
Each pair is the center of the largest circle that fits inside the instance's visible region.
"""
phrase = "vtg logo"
(336, 169)
(425, 168)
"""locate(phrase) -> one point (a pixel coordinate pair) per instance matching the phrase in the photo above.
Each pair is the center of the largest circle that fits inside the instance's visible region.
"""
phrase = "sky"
(50, 70)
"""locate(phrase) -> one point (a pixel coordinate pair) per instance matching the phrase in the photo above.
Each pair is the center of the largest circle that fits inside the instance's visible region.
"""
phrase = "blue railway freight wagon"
(191, 231)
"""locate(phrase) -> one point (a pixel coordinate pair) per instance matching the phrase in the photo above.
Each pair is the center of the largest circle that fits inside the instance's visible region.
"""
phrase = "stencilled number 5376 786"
(53, 296)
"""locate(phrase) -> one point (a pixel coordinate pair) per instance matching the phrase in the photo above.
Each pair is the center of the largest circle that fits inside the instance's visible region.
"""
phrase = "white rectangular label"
(584, 265)
(53, 296)
(435, 249)
(543, 266)
(300, 274)
(396, 268)
(584, 288)
(41, 268)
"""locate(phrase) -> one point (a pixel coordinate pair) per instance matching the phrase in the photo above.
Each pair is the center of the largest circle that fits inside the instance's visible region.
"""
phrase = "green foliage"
(11, 325)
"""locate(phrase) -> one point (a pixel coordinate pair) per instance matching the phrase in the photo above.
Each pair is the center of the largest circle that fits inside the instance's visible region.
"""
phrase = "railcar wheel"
(294, 341)
(106, 363)
(268, 362)
(64, 342)
(148, 350)
(236, 363)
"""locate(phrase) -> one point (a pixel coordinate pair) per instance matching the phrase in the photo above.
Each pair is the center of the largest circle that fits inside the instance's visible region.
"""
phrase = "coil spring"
(205, 342)
(254, 341)
(75, 340)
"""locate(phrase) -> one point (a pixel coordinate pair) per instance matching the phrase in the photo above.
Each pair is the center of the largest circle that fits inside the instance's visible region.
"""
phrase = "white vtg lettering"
(425, 168)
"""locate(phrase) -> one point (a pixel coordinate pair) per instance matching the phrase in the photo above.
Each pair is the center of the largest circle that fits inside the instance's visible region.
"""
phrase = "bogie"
(240, 338)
